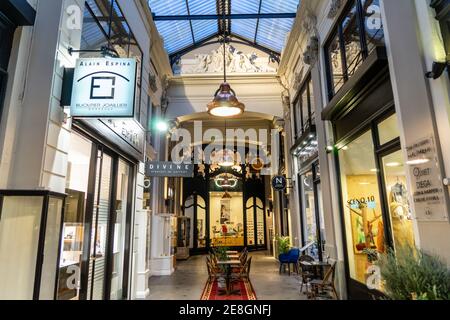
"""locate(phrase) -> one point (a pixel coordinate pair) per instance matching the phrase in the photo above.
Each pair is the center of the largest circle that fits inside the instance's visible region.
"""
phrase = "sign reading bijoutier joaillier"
(104, 88)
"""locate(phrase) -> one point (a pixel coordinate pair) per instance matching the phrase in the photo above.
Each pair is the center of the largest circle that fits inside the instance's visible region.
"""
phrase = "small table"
(233, 256)
(232, 252)
(316, 265)
(229, 264)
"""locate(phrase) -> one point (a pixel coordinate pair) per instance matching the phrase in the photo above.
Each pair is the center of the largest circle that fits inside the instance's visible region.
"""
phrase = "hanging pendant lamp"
(225, 103)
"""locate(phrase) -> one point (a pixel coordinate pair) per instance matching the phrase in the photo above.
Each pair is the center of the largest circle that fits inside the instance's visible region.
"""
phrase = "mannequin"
(401, 216)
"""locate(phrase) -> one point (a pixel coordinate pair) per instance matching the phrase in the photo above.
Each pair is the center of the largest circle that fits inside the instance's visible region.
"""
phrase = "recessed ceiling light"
(373, 170)
(364, 183)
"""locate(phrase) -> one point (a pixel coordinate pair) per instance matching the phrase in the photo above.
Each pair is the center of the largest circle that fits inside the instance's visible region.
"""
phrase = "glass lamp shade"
(225, 103)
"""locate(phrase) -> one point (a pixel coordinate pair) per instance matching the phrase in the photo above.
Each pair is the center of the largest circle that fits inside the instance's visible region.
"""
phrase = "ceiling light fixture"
(393, 164)
(225, 103)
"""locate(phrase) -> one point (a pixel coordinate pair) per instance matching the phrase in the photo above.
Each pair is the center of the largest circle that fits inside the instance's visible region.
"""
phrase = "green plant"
(372, 255)
(284, 244)
(412, 274)
(221, 253)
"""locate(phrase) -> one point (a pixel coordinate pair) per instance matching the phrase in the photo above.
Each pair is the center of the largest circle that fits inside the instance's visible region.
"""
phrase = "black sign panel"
(279, 183)
(169, 169)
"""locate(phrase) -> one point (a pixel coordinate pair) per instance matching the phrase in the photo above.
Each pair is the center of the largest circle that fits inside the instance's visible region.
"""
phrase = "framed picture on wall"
(225, 211)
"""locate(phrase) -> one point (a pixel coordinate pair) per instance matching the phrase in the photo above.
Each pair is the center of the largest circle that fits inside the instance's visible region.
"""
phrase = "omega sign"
(104, 88)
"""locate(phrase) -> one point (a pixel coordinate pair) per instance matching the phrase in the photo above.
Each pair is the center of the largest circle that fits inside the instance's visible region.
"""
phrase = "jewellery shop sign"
(104, 88)
(428, 190)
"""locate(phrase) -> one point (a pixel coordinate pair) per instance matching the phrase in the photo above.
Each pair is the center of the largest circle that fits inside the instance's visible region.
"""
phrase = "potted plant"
(412, 274)
(222, 255)
(284, 244)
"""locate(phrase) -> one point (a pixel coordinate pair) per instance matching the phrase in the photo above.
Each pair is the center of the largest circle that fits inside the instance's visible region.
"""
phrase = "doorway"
(95, 250)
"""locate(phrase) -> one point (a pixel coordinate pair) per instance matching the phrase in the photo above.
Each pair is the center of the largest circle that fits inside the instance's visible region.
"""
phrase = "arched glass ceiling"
(186, 24)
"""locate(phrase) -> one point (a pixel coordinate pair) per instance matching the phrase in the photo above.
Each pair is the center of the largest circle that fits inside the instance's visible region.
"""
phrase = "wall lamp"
(437, 70)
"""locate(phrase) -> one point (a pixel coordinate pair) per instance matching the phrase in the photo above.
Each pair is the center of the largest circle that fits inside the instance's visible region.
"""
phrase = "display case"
(164, 240)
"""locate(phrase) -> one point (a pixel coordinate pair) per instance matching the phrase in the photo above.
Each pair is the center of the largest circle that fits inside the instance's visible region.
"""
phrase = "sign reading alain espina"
(169, 169)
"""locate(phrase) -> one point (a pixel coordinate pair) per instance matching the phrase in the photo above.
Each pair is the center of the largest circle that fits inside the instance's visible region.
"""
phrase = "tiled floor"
(188, 281)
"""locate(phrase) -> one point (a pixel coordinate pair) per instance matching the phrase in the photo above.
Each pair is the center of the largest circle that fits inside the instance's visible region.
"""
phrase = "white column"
(413, 104)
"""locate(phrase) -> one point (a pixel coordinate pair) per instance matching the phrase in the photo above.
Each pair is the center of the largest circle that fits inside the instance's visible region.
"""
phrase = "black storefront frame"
(98, 146)
(313, 167)
(199, 186)
(8, 29)
(356, 289)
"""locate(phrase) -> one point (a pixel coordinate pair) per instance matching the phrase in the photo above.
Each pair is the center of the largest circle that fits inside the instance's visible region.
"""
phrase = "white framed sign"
(104, 88)
(428, 189)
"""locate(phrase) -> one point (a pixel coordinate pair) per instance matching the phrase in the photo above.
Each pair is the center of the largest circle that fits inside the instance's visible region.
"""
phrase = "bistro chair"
(306, 272)
(289, 258)
(243, 272)
(327, 284)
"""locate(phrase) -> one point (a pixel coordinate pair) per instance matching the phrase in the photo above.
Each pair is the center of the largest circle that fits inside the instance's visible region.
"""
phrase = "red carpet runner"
(246, 292)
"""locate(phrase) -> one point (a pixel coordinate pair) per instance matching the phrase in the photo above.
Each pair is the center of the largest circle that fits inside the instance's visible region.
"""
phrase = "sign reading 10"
(356, 203)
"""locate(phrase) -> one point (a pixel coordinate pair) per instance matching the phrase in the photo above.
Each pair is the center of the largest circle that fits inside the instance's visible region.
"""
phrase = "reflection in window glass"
(309, 213)
(352, 41)
(362, 208)
(398, 201)
(388, 129)
(373, 23)
(336, 67)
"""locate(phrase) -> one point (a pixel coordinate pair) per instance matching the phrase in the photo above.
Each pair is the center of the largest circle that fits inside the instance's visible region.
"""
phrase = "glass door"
(120, 243)
(99, 233)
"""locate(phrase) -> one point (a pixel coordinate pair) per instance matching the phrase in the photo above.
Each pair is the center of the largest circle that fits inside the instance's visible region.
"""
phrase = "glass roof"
(184, 24)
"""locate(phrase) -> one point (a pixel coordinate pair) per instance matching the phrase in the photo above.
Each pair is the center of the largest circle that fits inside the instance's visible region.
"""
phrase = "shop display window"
(364, 227)
(398, 200)
(377, 212)
(226, 219)
(70, 264)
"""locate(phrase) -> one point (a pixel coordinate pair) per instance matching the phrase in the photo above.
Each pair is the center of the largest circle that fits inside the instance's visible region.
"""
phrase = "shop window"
(357, 33)
(388, 129)
(226, 219)
(304, 108)
(364, 227)
(398, 200)
(70, 264)
(377, 211)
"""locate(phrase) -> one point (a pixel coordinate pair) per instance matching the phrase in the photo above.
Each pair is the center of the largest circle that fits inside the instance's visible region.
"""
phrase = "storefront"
(106, 147)
(226, 206)
(306, 157)
(375, 210)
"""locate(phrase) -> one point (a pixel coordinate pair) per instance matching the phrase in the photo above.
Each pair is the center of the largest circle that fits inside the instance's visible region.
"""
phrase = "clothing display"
(401, 217)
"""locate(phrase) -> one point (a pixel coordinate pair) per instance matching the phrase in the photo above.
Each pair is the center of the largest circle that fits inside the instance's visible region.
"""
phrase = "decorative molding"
(152, 83)
(311, 53)
(236, 62)
(298, 79)
(334, 8)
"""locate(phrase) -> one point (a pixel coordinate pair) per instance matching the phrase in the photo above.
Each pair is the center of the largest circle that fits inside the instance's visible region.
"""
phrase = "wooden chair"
(243, 272)
(306, 273)
(319, 286)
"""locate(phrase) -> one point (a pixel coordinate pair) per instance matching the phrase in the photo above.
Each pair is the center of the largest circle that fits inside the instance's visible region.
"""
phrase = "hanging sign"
(428, 190)
(169, 169)
(104, 88)
(279, 183)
